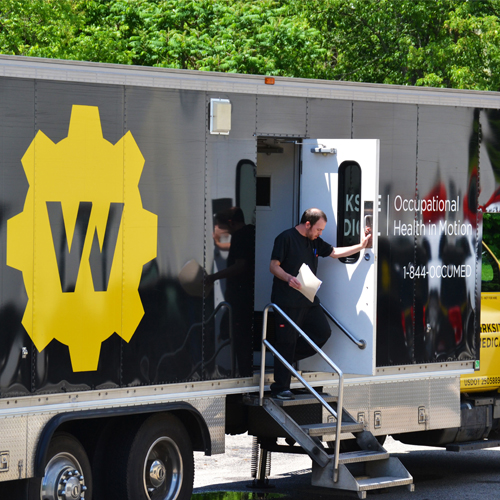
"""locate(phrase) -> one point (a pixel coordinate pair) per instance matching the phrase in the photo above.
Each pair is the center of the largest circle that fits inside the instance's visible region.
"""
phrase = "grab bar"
(360, 343)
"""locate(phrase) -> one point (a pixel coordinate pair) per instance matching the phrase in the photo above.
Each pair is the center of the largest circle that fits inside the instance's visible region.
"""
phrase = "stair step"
(362, 456)
(374, 483)
(300, 399)
(304, 399)
(473, 445)
(316, 430)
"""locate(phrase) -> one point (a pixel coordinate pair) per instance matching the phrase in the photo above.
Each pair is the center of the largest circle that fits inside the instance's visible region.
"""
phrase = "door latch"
(4, 461)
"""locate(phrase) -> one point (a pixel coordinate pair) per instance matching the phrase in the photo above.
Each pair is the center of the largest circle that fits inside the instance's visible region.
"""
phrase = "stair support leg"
(261, 476)
(261, 467)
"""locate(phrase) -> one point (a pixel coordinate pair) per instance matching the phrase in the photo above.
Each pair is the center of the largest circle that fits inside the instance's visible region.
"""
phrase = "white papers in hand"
(310, 284)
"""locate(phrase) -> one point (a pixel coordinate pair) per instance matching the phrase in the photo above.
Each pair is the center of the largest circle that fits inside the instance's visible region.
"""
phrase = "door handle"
(369, 226)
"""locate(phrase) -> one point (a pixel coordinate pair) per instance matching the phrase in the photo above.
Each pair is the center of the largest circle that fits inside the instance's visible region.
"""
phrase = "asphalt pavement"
(437, 473)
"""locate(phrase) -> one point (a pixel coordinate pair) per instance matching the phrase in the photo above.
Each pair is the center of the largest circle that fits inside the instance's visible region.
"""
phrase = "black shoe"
(284, 395)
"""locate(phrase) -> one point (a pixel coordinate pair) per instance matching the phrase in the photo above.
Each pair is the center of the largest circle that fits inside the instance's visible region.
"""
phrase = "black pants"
(291, 345)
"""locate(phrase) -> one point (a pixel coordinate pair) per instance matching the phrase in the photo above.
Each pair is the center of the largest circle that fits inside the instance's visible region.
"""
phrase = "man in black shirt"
(239, 275)
(292, 248)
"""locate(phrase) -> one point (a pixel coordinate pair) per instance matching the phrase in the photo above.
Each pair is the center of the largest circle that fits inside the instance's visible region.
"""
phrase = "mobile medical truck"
(120, 355)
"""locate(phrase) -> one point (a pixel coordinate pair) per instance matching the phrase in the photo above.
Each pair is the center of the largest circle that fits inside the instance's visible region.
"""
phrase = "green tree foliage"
(440, 43)
(39, 28)
(219, 35)
(224, 35)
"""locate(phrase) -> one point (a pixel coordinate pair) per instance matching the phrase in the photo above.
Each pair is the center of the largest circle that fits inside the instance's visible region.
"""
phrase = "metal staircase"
(301, 421)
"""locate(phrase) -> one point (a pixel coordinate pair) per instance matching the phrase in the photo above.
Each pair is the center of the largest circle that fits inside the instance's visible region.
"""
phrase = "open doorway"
(341, 178)
(277, 209)
(277, 205)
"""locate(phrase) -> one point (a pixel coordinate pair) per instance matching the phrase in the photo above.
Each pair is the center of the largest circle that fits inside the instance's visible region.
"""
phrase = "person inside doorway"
(299, 245)
(239, 276)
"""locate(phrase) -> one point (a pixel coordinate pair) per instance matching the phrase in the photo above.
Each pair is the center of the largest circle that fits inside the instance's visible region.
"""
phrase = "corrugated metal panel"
(398, 401)
(13, 444)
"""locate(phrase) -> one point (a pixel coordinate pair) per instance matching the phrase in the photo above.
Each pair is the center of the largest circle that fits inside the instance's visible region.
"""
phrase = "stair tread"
(304, 399)
(473, 445)
(373, 483)
(362, 456)
(330, 428)
(300, 399)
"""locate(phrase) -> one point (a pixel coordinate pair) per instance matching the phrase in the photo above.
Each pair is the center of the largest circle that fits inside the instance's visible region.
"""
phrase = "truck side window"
(349, 207)
(490, 276)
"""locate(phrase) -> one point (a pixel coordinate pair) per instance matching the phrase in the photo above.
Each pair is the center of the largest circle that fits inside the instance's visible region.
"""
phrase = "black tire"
(158, 464)
(67, 472)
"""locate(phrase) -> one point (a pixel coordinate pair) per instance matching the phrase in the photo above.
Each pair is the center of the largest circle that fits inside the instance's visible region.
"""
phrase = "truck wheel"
(67, 473)
(160, 464)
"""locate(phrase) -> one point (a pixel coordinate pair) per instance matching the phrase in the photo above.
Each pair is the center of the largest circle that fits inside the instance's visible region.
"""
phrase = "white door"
(341, 178)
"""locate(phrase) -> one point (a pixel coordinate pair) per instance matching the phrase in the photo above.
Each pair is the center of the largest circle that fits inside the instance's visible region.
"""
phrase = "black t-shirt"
(292, 250)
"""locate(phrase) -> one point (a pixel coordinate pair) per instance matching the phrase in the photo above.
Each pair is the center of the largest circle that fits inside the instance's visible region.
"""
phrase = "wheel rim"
(63, 479)
(163, 474)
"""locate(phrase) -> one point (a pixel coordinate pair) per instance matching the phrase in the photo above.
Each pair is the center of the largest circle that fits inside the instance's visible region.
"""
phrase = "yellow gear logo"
(82, 239)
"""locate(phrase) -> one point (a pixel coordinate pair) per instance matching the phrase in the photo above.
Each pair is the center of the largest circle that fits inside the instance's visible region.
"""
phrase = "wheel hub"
(163, 471)
(157, 473)
(71, 486)
(62, 480)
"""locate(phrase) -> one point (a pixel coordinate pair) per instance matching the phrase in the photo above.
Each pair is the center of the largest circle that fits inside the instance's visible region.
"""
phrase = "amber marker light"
(269, 80)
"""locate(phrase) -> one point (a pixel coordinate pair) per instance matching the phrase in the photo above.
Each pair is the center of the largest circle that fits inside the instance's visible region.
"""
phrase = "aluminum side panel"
(396, 127)
(231, 182)
(397, 404)
(169, 126)
(214, 413)
(281, 116)
(13, 441)
(36, 424)
(446, 325)
(16, 133)
(329, 119)
(438, 148)
(26, 431)
(54, 103)
(443, 396)
(186, 170)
